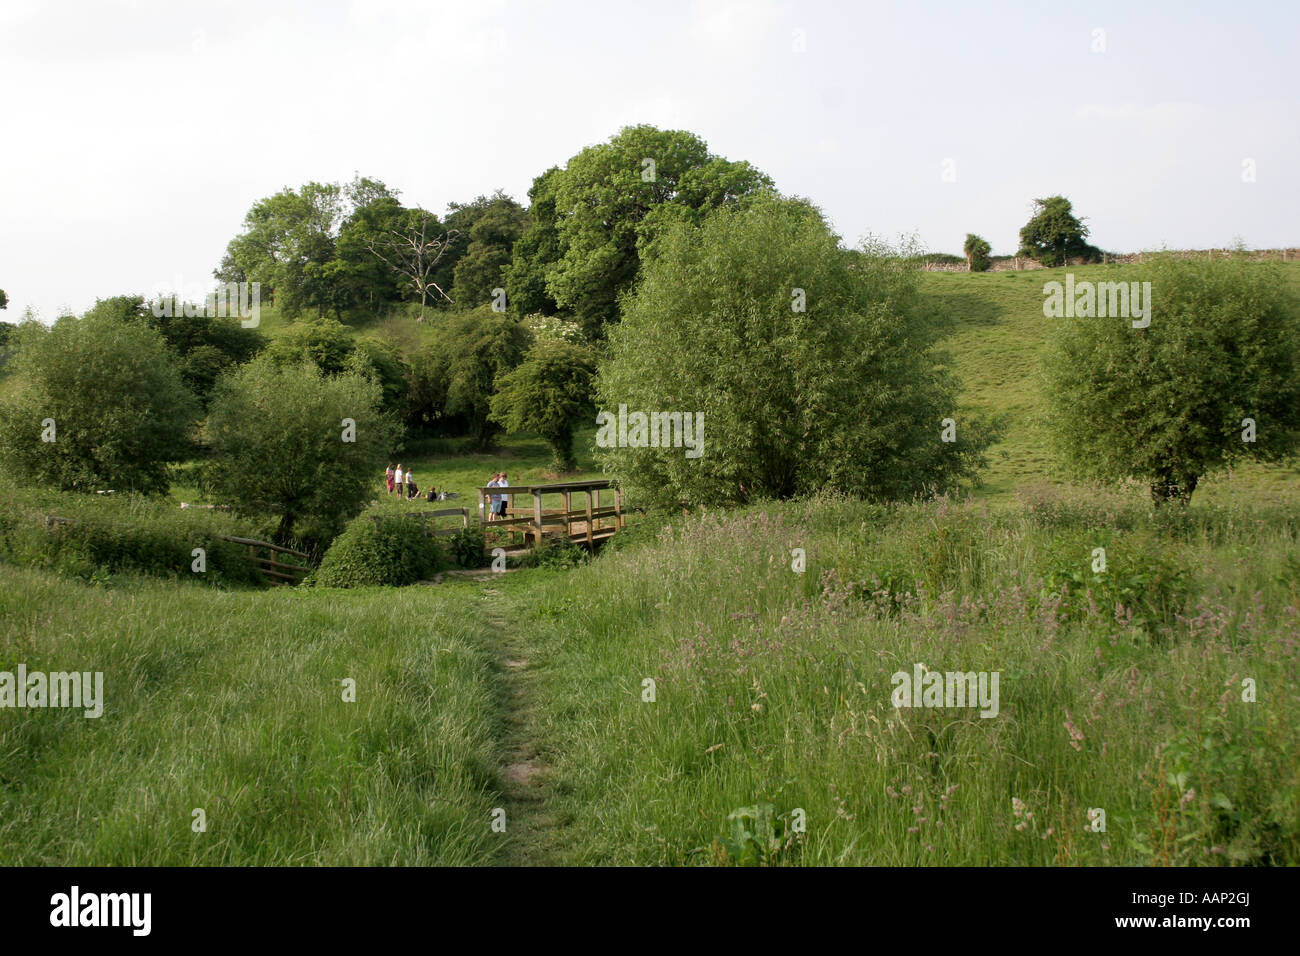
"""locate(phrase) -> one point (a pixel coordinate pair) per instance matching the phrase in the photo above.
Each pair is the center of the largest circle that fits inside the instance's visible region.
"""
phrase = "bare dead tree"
(415, 254)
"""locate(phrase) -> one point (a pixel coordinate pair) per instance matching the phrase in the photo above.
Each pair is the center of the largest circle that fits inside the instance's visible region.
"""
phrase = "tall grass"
(1120, 690)
(232, 702)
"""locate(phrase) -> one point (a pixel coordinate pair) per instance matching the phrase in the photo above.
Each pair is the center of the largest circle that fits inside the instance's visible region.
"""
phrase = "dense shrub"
(466, 547)
(387, 551)
(98, 536)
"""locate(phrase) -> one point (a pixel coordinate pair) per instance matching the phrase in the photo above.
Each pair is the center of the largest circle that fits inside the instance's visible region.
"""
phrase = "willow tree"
(808, 366)
(1212, 380)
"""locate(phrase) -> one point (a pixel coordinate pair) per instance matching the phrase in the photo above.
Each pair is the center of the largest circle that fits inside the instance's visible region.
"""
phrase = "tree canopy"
(812, 367)
(1214, 378)
(593, 219)
(97, 403)
(1054, 234)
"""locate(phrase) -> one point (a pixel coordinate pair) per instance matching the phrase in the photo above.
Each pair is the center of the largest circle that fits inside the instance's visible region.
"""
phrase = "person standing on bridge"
(501, 499)
(492, 499)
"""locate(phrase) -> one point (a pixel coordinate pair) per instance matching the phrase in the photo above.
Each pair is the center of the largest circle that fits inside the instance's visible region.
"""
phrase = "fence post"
(537, 514)
(590, 541)
(618, 509)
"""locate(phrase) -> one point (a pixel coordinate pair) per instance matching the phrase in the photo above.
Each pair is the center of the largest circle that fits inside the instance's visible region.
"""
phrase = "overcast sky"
(137, 134)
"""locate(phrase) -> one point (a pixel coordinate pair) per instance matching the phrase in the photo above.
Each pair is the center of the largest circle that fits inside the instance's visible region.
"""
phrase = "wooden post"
(568, 525)
(590, 541)
(537, 514)
(482, 515)
(618, 509)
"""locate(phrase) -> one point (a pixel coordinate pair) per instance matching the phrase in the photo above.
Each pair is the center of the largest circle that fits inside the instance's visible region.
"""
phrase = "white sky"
(136, 135)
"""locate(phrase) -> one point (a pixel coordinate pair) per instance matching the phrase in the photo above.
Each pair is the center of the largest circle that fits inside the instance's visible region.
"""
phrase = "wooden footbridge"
(583, 512)
(542, 512)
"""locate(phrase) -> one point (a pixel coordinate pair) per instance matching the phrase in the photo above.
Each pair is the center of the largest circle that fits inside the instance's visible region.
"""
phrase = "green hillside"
(996, 340)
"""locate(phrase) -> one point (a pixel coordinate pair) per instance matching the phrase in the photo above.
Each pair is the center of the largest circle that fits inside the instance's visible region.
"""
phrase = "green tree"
(812, 367)
(4, 300)
(536, 251)
(548, 394)
(605, 203)
(97, 403)
(1054, 234)
(293, 443)
(362, 279)
(326, 343)
(1168, 404)
(977, 253)
(491, 241)
(286, 241)
(204, 346)
(333, 348)
(470, 351)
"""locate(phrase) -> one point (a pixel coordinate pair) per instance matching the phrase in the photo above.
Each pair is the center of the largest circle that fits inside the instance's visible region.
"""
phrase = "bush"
(554, 553)
(382, 552)
(977, 253)
(1143, 583)
(466, 547)
(103, 536)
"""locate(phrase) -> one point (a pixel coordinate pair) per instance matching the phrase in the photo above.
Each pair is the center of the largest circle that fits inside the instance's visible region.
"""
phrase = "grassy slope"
(996, 341)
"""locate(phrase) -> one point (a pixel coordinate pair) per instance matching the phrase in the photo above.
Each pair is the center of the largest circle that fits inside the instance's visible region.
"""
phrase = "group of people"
(403, 483)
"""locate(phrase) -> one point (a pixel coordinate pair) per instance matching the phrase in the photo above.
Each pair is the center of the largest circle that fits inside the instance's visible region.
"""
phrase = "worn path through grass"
(525, 773)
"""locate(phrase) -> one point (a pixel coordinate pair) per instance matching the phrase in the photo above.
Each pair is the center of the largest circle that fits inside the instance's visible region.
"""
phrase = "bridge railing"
(593, 520)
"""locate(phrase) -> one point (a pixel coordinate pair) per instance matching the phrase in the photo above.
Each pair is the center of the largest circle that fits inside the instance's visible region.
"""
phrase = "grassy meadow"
(691, 696)
(774, 687)
(233, 703)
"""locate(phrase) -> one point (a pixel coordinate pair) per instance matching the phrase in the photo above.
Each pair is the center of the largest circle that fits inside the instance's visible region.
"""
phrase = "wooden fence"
(277, 572)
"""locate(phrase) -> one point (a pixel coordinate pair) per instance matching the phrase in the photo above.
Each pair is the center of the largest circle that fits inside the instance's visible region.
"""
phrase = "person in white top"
(399, 480)
(501, 499)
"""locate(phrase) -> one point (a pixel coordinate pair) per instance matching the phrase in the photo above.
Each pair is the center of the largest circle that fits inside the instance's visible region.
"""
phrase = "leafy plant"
(466, 547)
(755, 836)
